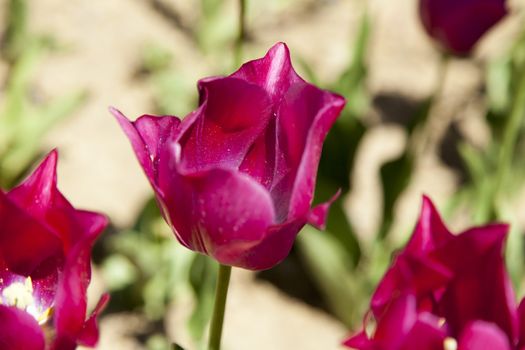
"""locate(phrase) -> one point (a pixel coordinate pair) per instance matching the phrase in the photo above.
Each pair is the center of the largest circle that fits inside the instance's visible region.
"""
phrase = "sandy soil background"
(98, 171)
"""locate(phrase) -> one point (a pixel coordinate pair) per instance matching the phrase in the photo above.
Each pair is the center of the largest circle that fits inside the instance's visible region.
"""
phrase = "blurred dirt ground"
(102, 44)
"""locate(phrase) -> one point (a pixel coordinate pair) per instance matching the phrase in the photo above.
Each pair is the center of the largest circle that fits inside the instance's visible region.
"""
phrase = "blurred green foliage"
(167, 81)
(496, 174)
(24, 120)
(333, 257)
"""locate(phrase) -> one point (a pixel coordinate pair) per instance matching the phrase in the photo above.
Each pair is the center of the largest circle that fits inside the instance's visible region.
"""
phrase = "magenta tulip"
(460, 279)
(457, 25)
(235, 178)
(45, 247)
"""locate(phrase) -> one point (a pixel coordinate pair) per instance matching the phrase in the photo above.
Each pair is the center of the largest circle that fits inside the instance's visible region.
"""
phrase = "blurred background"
(414, 124)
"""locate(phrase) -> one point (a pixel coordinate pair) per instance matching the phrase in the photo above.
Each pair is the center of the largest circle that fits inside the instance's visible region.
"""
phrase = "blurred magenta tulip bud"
(235, 178)
(457, 25)
(45, 247)
(459, 279)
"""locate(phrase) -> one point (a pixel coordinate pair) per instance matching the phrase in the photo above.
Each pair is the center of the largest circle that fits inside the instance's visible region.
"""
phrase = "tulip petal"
(318, 215)
(426, 334)
(233, 115)
(148, 135)
(259, 161)
(521, 319)
(219, 212)
(24, 242)
(303, 120)
(19, 330)
(91, 223)
(430, 231)
(273, 249)
(360, 341)
(39, 196)
(397, 322)
(412, 274)
(39, 189)
(402, 327)
(481, 288)
(71, 294)
(90, 332)
(274, 72)
(482, 335)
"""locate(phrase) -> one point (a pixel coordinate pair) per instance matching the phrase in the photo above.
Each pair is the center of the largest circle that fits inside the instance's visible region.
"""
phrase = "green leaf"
(395, 177)
(203, 276)
(29, 130)
(329, 263)
(352, 82)
(118, 271)
(499, 75)
(15, 37)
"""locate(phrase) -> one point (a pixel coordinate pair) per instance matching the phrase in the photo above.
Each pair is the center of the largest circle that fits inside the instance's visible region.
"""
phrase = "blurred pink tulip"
(459, 279)
(457, 25)
(45, 248)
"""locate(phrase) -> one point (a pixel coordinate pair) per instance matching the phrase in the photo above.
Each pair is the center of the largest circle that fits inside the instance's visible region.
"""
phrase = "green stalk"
(432, 123)
(396, 174)
(510, 137)
(241, 34)
(223, 281)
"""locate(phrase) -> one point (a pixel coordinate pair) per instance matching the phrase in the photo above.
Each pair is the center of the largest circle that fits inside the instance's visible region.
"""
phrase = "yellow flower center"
(450, 344)
(20, 295)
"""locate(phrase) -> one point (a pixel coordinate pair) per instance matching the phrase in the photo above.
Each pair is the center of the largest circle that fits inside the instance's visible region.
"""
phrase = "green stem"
(15, 36)
(241, 34)
(434, 125)
(510, 137)
(420, 132)
(223, 281)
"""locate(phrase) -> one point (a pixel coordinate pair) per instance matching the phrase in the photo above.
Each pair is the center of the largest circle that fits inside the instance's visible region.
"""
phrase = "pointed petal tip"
(125, 124)
(317, 216)
(51, 158)
(339, 100)
(99, 222)
(280, 47)
(280, 52)
(46, 171)
(89, 335)
(428, 208)
(425, 199)
(102, 304)
(121, 118)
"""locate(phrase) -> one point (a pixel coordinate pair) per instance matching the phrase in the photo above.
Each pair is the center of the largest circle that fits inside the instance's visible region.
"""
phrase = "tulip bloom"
(457, 25)
(460, 279)
(45, 247)
(235, 178)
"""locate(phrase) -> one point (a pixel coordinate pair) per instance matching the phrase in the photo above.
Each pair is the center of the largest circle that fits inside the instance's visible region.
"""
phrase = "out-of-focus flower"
(459, 279)
(235, 178)
(45, 247)
(457, 25)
